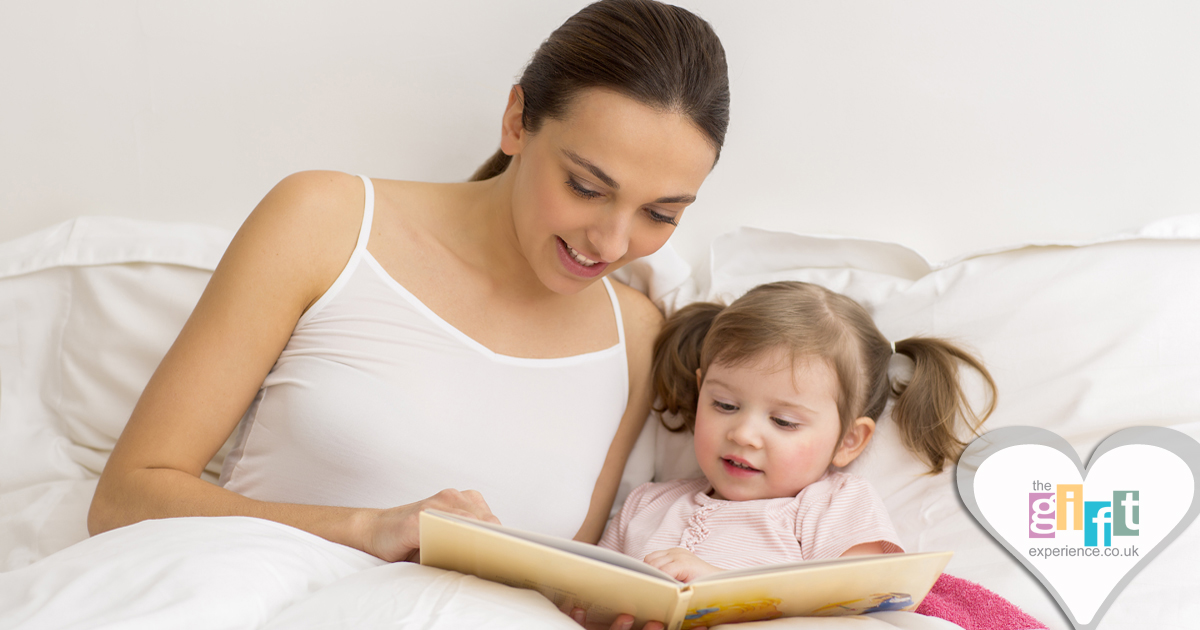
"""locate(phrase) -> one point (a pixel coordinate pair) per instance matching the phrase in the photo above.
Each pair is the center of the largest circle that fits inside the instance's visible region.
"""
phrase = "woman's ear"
(854, 442)
(512, 128)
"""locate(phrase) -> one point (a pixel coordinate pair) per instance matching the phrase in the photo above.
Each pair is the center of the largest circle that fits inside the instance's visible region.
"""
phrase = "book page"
(553, 568)
(600, 554)
(843, 586)
(803, 564)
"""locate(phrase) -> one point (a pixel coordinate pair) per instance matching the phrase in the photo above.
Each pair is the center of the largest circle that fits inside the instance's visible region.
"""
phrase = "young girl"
(781, 388)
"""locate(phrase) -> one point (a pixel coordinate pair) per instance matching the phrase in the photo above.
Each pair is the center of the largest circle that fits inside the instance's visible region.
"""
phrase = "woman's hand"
(394, 534)
(680, 564)
(622, 622)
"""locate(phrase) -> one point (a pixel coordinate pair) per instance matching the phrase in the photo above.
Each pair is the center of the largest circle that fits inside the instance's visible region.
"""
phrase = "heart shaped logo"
(1082, 532)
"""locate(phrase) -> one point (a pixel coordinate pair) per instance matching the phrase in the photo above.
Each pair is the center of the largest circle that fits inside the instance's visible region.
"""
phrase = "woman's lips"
(574, 266)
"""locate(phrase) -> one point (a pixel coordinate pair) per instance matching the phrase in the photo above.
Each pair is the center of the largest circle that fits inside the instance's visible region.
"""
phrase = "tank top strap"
(612, 295)
(360, 250)
(364, 232)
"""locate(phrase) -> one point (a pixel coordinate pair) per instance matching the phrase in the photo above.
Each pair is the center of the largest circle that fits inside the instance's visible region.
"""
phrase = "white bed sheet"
(1083, 339)
(239, 573)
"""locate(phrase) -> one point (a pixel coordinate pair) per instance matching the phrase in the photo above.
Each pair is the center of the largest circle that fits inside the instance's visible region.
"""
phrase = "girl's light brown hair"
(811, 321)
(657, 54)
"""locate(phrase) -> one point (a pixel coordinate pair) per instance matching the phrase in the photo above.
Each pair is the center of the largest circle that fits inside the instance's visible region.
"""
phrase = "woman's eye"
(784, 424)
(586, 193)
(660, 217)
(723, 406)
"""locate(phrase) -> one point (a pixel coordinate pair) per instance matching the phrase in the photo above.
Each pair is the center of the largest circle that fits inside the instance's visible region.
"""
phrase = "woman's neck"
(479, 230)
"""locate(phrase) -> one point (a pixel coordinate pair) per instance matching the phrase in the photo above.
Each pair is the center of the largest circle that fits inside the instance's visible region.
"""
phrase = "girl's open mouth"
(739, 468)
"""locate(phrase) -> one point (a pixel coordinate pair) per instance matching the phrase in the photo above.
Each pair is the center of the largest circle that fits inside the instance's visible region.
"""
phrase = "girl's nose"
(744, 432)
(610, 235)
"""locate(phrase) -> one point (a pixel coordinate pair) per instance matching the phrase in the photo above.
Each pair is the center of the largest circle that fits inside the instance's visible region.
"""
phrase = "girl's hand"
(394, 534)
(681, 564)
(622, 622)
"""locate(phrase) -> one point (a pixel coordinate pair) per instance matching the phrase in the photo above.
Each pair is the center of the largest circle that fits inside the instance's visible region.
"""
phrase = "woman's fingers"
(622, 622)
(468, 503)
(394, 534)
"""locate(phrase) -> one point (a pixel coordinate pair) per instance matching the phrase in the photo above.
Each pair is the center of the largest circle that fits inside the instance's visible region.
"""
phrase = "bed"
(87, 308)
(984, 163)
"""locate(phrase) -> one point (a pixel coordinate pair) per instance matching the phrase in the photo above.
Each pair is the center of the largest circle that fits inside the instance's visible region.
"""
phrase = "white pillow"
(87, 310)
(1081, 339)
(99, 302)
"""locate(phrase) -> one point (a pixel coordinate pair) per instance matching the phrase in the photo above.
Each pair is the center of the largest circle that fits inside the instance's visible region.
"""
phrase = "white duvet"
(1082, 339)
(244, 573)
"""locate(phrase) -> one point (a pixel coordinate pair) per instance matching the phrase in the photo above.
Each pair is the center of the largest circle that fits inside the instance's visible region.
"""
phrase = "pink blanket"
(974, 607)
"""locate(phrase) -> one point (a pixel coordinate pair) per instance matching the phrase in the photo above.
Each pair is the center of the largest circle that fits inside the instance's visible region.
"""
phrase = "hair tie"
(893, 346)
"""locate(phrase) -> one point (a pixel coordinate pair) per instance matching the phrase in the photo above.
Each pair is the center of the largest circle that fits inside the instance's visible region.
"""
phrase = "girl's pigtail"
(928, 408)
(676, 359)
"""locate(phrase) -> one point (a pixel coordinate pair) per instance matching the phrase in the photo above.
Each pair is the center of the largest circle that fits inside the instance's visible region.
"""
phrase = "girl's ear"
(854, 442)
(512, 129)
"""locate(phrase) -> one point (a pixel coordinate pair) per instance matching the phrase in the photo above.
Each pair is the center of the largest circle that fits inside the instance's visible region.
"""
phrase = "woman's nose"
(611, 234)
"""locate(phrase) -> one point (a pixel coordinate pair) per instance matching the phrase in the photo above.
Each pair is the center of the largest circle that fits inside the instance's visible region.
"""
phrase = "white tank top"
(378, 402)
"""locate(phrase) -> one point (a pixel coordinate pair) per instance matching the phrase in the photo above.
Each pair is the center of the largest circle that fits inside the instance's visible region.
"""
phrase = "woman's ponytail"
(676, 359)
(493, 167)
(927, 409)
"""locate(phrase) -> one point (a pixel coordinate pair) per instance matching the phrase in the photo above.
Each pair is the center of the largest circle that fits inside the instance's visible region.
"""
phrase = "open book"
(605, 583)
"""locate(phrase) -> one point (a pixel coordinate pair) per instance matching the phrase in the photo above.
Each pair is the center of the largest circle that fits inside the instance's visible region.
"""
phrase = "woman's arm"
(285, 256)
(642, 322)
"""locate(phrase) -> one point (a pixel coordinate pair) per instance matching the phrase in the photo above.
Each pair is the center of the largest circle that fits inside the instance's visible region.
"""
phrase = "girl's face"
(606, 185)
(767, 429)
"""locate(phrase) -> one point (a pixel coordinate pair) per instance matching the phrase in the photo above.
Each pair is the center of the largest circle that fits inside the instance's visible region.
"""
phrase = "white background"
(943, 125)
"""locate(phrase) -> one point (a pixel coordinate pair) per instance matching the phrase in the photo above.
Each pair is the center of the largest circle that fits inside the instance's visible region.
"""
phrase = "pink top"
(831, 515)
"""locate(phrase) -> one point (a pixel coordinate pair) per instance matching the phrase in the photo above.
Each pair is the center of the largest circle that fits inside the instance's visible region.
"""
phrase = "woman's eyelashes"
(581, 190)
(661, 218)
(587, 193)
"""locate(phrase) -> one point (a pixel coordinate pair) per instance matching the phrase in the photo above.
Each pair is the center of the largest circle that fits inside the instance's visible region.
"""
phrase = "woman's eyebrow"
(676, 199)
(592, 168)
(612, 183)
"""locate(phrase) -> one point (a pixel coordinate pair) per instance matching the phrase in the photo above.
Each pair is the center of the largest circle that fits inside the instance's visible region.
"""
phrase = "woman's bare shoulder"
(313, 202)
(641, 318)
(305, 229)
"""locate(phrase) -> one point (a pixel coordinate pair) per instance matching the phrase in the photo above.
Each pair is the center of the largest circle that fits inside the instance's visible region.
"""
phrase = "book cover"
(606, 583)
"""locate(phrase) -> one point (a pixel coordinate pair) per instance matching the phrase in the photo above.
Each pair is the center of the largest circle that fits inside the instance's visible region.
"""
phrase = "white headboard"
(946, 126)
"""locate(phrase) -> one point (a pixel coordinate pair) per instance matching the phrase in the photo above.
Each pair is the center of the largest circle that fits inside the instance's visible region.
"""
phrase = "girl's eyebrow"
(788, 404)
(612, 183)
(775, 401)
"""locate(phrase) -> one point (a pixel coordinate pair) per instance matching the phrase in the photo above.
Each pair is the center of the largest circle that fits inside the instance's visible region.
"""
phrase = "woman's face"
(604, 186)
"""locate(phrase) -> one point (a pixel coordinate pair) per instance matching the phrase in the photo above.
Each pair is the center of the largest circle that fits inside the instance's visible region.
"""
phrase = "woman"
(391, 339)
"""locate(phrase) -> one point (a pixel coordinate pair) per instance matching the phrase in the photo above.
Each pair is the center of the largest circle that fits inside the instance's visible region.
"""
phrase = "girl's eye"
(784, 424)
(723, 406)
(660, 217)
(578, 189)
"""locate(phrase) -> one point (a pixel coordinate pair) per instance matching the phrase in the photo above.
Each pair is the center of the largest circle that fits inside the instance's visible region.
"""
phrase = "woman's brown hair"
(657, 54)
(811, 321)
